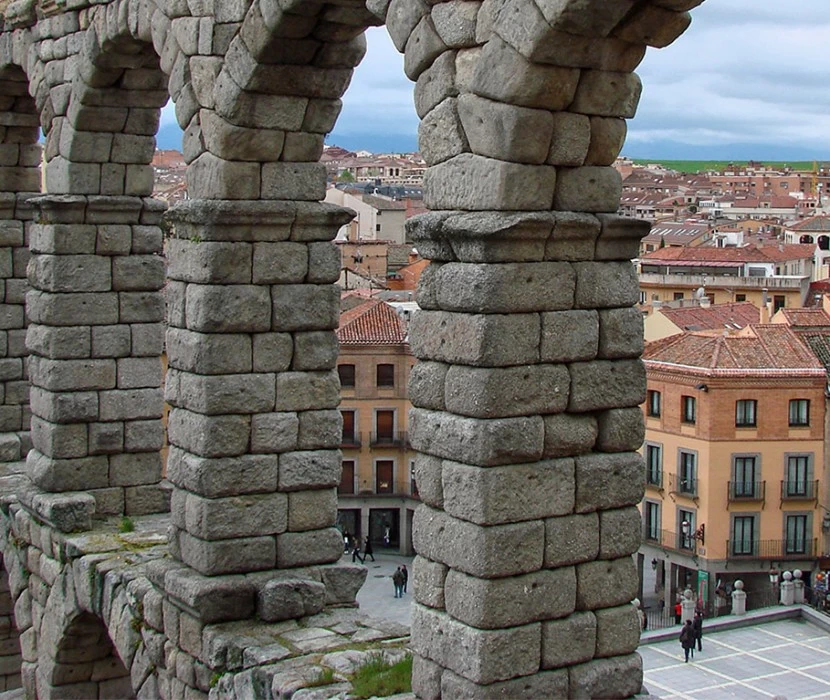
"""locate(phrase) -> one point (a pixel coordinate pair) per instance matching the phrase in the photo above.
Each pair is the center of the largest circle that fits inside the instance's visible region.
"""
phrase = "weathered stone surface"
(305, 548)
(312, 469)
(569, 336)
(289, 599)
(621, 430)
(540, 685)
(312, 510)
(617, 677)
(620, 532)
(609, 481)
(605, 583)
(495, 495)
(236, 516)
(587, 189)
(343, 581)
(455, 23)
(605, 384)
(607, 94)
(429, 579)
(618, 630)
(569, 641)
(620, 333)
(571, 539)
(440, 133)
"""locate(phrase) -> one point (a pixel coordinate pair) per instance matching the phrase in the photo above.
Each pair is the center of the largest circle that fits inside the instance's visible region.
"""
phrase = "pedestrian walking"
(405, 576)
(347, 542)
(368, 551)
(697, 626)
(397, 579)
(356, 551)
(687, 640)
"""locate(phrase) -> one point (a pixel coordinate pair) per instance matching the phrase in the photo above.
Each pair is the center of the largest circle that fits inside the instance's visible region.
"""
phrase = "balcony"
(801, 490)
(779, 282)
(399, 440)
(683, 486)
(746, 491)
(654, 477)
(771, 549)
(399, 488)
(351, 440)
(668, 539)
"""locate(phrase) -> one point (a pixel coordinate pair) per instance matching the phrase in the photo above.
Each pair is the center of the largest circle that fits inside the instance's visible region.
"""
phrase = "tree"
(345, 176)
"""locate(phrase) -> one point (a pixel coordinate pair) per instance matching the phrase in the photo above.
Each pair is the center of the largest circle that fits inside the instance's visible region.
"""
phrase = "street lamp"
(699, 534)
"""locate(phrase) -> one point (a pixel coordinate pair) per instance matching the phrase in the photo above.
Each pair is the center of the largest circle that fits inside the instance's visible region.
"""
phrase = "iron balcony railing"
(668, 539)
(394, 489)
(799, 490)
(351, 440)
(796, 548)
(397, 439)
(683, 486)
(747, 490)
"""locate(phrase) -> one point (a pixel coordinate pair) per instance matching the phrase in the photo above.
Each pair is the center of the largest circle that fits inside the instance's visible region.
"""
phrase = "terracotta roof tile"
(372, 323)
(749, 253)
(729, 316)
(809, 318)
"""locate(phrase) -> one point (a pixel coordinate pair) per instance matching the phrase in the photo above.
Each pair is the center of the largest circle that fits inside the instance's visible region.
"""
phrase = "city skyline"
(741, 84)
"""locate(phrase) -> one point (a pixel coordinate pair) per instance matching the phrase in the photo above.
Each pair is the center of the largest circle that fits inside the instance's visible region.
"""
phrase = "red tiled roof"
(737, 315)
(764, 350)
(745, 254)
(812, 318)
(371, 323)
(813, 223)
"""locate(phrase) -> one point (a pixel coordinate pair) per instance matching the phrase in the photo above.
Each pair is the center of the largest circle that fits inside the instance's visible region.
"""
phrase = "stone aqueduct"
(529, 380)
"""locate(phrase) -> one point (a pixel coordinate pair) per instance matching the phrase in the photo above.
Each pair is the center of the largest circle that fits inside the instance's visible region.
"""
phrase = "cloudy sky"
(747, 80)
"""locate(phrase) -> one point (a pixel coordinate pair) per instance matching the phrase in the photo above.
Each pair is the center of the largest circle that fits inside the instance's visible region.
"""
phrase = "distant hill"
(694, 166)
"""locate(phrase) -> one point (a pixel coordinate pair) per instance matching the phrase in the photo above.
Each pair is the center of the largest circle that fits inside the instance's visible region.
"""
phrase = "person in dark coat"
(687, 640)
(367, 550)
(356, 551)
(697, 626)
(397, 579)
(405, 576)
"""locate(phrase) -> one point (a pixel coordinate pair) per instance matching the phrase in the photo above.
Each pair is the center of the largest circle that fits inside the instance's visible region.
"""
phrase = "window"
(740, 297)
(384, 427)
(377, 228)
(744, 477)
(799, 412)
(654, 465)
(386, 375)
(413, 486)
(677, 296)
(384, 476)
(689, 408)
(743, 535)
(654, 404)
(798, 474)
(652, 521)
(686, 540)
(779, 301)
(688, 473)
(745, 413)
(349, 434)
(347, 477)
(797, 539)
(346, 373)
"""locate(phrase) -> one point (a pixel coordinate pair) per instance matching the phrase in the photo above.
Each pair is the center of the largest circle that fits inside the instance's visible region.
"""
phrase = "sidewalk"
(377, 597)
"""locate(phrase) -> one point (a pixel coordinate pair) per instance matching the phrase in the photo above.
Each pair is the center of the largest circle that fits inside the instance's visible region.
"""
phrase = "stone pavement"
(784, 659)
(377, 596)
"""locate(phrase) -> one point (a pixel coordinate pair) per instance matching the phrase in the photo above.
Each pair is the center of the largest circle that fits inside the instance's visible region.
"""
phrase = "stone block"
(312, 510)
(138, 272)
(209, 262)
(571, 539)
(620, 532)
(491, 655)
(491, 340)
(620, 333)
(307, 391)
(62, 239)
(618, 630)
(620, 237)
(426, 385)
(497, 495)
(307, 548)
(571, 139)
(232, 308)
(499, 237)
(82, 309)
(607, 139)
(401, 19)
(475, 441)
(315, 350)
(569, 641)
(475, 183)
(209, 436)
(210, 177)
(288, 599)
(59, 440)
(111, 341)
(71, 375)
(498, 130)
(137, 469)
(147, 339)
(621, 430)
(512, 391)
(569, 336)
(214, 353)
(422, 48)
(587, 189)
(232, 556)
(305, 307)
(550, 684)
(143, 436)
(609, 481)
(485, 552)
(242, 515)
(320, 430)
(221, 394)
(342, 582)
(441, 135)
(476, 288)
(428, 477)
(139, 372)
(274, 432)
(69, 273)
(504, 75)
(280, 263)
(293, 181)
(455, 23)
(605, 583)
(311, 469)
(66, 342)
(606, 285)
(511, 601)
(426, 678)
(606, 384)
(617, 677)
(215, 478)
(607, 94)
(272, 352)
(654, 26)
(140, 307)
(435, 84)
(130, 404)
(64, 407)
(113, 239)
(429, 579)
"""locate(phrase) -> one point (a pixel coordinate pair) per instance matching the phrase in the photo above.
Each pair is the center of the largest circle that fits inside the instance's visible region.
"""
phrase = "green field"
(694, 166)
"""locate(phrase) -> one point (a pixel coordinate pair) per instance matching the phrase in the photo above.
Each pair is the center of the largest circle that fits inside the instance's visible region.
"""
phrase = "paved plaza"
(377, 597)
(785, 659)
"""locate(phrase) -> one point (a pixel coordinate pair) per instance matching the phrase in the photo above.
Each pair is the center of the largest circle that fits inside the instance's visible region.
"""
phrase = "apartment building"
(734, 454)
(377, 495)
